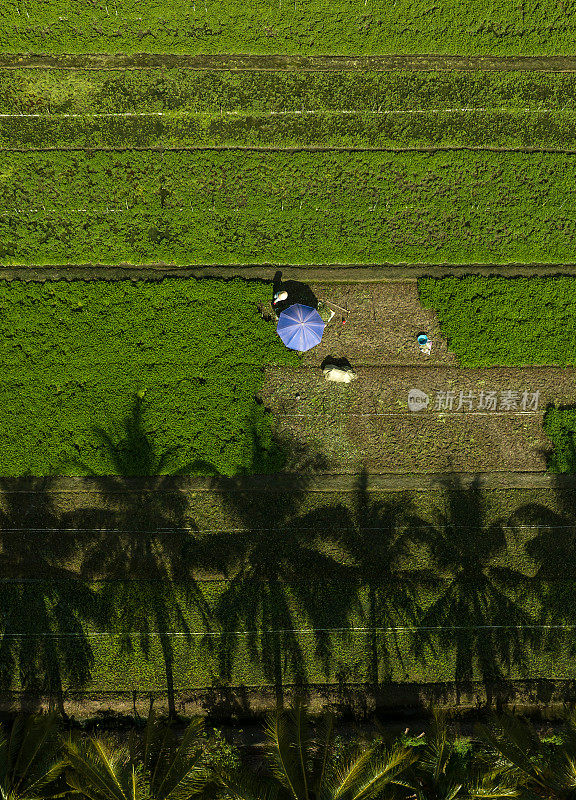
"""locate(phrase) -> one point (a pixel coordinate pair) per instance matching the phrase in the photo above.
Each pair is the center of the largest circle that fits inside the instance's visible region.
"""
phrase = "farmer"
(424, 344)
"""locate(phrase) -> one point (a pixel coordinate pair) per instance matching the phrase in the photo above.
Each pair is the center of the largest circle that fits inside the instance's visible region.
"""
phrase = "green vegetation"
(160, 599)
(514, 129)
(190, 108)
(493, 321)
(278, 207)
(301, 757)
(75, 354)
(124, 663)
(560, 426)
(154, 764)
(345, 26)
(209, 92)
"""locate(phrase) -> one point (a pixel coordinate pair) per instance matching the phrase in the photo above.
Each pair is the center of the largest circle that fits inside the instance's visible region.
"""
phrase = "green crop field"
(178, 108)
(257, 207)
(304, 592)
(491, 321)
(76, 355)
(347, 26)
(168, 589)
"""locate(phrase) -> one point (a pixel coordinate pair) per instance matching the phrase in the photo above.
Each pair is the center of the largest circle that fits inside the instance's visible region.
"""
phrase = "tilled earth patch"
(368, 423)
(379, 325)
(474, 419)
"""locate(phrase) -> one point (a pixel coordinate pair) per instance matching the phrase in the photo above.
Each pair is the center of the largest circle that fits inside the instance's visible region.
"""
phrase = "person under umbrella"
(300, 327)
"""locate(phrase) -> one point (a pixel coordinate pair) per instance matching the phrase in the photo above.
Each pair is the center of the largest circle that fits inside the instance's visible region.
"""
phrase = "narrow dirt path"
(286, 62)
(73, 492)
(313, 273)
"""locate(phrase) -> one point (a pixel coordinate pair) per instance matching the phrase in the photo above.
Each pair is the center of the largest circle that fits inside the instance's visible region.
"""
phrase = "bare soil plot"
(381, 326)
(368, 424)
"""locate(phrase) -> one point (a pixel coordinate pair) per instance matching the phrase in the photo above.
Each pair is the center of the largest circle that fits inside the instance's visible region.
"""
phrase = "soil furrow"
(73, 491)
(286, 62)
(334, 274)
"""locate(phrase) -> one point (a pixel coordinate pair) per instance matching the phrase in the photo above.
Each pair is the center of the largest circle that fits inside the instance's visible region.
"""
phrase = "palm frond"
(244, 785)
(513, 744)
(178, 772)
(101, 772)
(29, 758)
(370, 773)
(285, 761)
(323, 754)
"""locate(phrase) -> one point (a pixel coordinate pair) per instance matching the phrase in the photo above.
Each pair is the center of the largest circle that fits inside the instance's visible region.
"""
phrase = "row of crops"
(94, 91)
(328, 206)
(292, 26)
(178, 108)
(136, 662)
(459, 585)
(245, 206)
(472, 128)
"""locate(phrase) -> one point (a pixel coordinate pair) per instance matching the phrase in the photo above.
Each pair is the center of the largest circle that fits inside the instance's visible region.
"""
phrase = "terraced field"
(262, 147)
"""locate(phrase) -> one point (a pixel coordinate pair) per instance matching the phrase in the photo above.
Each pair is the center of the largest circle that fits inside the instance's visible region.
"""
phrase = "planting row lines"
(300, 207)
(241, 634)
(391, 129)
(259, 91)
(353, 26)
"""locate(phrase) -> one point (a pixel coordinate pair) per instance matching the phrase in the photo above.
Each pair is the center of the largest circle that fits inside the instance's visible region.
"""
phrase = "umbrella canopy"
(300, 327)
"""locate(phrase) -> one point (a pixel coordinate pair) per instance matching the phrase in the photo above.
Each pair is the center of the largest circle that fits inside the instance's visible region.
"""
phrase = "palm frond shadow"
(553, 552)
(380, 547)
(46, 606)
(478, 613)
(284, 592)
(145, 546)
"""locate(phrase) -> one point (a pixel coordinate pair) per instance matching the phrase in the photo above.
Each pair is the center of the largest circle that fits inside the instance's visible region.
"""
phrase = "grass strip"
(76, 354)
(269, 644)
(560, 427)
(482, 567)
(493, 321)
(254, 92)
(495, 129)
(255, 207)
(345, 27)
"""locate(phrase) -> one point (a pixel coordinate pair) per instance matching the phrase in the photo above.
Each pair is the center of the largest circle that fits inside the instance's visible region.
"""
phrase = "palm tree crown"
(304, 765)
(154, 766)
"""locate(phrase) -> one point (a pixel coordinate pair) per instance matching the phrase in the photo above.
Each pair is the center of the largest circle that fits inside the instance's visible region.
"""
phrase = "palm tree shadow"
(145, 547)
(45, 605)
(479, 612)
(280, 580)
(553, 551)
(268, 450)
(381, 549)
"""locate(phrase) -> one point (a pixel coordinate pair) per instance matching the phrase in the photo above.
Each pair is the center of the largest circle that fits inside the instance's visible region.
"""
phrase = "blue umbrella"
(300, 327)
